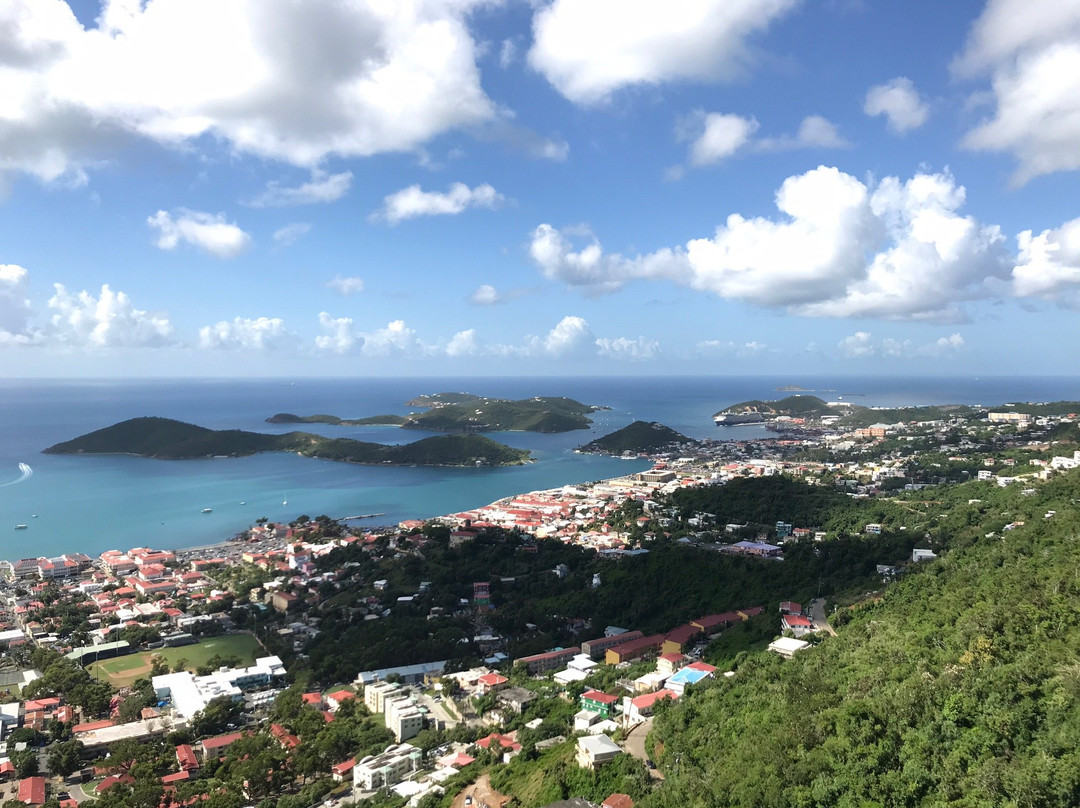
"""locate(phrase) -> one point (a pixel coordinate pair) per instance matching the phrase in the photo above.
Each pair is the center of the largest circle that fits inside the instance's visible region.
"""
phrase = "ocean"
(93, 503)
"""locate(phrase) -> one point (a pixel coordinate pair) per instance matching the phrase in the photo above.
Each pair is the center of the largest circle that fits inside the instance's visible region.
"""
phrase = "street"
(635, 746)
(817, 615)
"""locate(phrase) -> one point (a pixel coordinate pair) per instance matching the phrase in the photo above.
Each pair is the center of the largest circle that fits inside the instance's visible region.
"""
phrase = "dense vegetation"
(453, 412)
(791, 405)
(168, 439)
(960, 686)
(640, 436)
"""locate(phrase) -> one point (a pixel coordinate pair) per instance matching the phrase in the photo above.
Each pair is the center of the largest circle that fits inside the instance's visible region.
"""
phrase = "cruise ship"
(737, 418)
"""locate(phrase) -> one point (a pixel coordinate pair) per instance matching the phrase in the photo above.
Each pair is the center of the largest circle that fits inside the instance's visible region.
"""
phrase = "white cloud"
(569, 336)
(861, 345)
(507, 53)
(411, 202)
(857, 345)
(486, 295)
(464, 343)
(720, 136)
(109, 320)
(1031, 50)
(14, 306)
(206, 231)
(247, 334)
(717, 136)
(338, 336)
(634, 350)
(899, 102)
(589, 50)
(322, 187)
(291, 233)
(346, 286)
(715, 347)
(274, 78)
(899, 250)
(1049, 264)
(393, 340)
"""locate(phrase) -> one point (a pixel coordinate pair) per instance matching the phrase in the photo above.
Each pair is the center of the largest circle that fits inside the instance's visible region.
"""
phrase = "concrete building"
(552, 660)
(189, 693)
(594, 751)
(376, 694)
(403, 718)
(384, 770)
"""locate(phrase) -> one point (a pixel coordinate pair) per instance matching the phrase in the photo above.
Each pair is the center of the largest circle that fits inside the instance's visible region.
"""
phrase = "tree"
(216, 717)
(64, 758)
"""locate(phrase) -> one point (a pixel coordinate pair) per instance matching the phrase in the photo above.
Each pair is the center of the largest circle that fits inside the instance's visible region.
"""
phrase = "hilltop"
(640, 437)
(166, 439)
(464, 412)
(793, 406)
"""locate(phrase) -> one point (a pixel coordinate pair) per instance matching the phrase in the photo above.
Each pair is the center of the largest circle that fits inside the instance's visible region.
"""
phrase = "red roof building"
(32, 790)
(185, 756)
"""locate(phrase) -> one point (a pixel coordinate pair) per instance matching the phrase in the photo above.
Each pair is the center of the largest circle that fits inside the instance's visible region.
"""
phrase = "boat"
(207, 510)
(20, 527)
(243, 502)
(737, 419)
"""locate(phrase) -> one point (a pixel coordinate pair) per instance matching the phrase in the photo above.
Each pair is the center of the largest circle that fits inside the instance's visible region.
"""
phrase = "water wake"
(25, 473)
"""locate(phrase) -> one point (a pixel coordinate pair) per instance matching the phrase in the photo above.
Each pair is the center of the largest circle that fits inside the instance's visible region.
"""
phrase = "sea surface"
(93, 503)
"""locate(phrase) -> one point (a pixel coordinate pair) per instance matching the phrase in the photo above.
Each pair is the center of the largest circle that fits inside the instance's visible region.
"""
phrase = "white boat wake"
(25, 474)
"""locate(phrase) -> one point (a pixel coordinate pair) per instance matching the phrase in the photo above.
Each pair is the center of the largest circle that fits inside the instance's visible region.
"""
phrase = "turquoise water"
(90, 504)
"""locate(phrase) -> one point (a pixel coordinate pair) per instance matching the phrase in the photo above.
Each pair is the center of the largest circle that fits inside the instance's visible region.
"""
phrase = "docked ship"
(737, 418)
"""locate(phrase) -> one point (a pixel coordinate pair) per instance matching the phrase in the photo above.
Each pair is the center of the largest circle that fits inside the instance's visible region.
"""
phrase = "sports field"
(122, 671)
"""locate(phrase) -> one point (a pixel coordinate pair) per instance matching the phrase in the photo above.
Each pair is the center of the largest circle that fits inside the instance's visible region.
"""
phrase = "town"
(429, 663)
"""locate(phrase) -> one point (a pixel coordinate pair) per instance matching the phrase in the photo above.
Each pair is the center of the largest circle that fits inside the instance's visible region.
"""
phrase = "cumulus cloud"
(590, 50)
(464, 343)
(246, 334)
(337, 334)
(291, 233)
(1031, 51)
(208, 232)
(290, 81)
(634, 350)
(340, 335)
(507, 53)
(346, 286)
(408, 203)
(899, 102)
(571, 335)
(322, 187)
(715, 136)
(14, 306)
(109, 320)
(899, 250)
(862, 344)
(486, 295)
(1048, 265)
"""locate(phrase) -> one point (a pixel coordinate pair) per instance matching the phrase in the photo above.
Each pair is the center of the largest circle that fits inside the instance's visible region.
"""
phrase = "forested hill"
(960, 686)
(167, 439)
(640, 436)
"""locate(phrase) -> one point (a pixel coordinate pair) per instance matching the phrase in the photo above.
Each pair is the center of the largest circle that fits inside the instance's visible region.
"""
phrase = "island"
(333, 420)
(166, 439)
(640, 437)
(465, 412)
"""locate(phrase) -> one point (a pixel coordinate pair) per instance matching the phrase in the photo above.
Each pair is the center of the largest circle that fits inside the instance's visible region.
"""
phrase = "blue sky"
(265, 187)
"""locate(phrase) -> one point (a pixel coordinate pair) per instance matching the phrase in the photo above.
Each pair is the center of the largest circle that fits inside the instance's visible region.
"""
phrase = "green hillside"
(333, 420)
(794, 406)
(167, 439)
(540, 414)
(960, 686)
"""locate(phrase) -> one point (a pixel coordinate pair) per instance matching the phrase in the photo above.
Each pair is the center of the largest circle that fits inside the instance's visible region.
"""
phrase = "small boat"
(207, 510)
(243, 502)
(20, 527)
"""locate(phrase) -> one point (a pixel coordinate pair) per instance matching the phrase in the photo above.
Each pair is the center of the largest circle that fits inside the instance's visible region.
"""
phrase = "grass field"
(122, 671)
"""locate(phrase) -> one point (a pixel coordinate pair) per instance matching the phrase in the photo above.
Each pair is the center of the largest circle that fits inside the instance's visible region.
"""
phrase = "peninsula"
(464, 412)
(640, 437)
(166, 439)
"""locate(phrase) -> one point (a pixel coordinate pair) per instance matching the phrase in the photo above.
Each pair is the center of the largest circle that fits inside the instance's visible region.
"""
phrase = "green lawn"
(122, 671)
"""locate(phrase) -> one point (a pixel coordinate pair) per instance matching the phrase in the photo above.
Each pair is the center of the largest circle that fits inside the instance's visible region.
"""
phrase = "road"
(635, 746)
(817, 615)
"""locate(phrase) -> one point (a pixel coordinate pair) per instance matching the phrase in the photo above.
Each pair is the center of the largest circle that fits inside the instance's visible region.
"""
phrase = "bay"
(89, 504)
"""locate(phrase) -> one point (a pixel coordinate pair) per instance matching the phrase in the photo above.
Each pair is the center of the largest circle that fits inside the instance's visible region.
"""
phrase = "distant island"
(465, 412)
(333, 420)
(640, 437)
(166, 439)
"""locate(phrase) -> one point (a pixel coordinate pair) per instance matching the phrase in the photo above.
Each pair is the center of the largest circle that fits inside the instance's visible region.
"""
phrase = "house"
(796, 624)
(507, 743)
(32, 790)
(185, 757)
(787, 647)
(690, 675)
(489, 683)
(600, 703)
(667, 664)
(790, 607)
(516, 698)
(618, 801)
(340, 771)
(642, 707)
(337, 698)
(594, 751)
(284, 601)
(214, 748)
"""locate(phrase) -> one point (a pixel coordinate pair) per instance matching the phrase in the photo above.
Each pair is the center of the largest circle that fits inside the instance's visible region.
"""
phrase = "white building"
(376, 694)
(594, 751)
(403, 718)
(189, 693)
(392, 766)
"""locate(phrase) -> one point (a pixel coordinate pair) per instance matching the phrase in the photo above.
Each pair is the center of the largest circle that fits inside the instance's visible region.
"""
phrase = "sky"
(502, 187)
